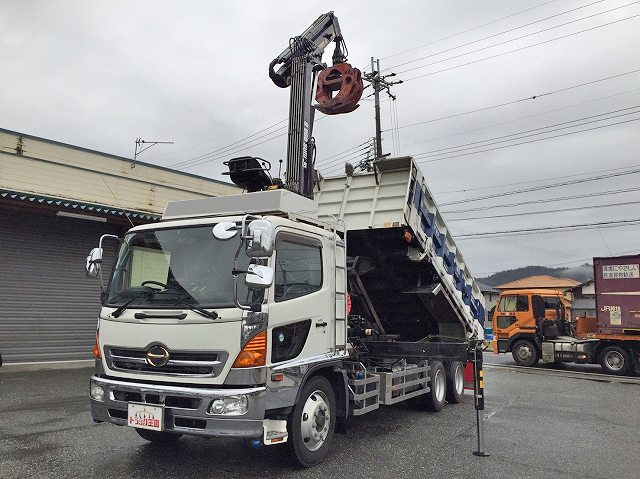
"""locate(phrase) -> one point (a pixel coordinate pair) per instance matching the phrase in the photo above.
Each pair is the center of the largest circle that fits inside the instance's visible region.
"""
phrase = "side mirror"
(93, 268)
(260, 239)
(259, 277)
(225, 230)
(94, 262)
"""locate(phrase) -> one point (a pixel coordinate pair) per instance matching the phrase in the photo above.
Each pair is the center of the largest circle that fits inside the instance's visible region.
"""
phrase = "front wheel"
(615, 360)
(312, 422)
(525, 353)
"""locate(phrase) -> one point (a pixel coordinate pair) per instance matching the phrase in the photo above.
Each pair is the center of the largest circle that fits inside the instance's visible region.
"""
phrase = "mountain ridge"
(580, 273)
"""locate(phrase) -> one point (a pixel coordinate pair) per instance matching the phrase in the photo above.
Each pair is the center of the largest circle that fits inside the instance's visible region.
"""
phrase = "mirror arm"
(235, 272)
(102, 288)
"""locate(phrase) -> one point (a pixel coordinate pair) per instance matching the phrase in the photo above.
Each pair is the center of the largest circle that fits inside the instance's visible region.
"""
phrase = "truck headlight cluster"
(96, 391)
(230, 405)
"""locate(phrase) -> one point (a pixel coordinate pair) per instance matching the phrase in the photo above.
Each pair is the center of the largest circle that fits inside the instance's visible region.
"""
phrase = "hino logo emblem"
(157, 356)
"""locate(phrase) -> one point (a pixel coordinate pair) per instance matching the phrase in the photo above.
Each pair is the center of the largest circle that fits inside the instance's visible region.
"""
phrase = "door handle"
(321, 324)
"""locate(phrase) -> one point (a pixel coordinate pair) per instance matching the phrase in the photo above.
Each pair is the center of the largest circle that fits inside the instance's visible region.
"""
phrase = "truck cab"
(520, 315)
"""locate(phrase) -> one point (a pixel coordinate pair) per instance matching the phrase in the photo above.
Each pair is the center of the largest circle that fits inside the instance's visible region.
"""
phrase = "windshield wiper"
(197, 309)
(121, 309)
(177, 300)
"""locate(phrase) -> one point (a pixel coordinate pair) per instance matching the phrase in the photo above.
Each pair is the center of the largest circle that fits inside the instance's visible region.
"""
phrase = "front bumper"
(185, 408)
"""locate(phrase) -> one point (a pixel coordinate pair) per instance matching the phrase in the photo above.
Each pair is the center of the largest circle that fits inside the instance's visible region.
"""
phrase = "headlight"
(96, 391)
(230, 405)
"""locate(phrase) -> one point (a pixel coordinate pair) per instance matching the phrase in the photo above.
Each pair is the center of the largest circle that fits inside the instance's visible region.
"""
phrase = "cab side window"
(298, 266)
(550, 303)
(513, 303)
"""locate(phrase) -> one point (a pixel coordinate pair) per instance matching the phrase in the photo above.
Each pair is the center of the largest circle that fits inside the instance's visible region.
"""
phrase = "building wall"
(48, 308)
(53, 169)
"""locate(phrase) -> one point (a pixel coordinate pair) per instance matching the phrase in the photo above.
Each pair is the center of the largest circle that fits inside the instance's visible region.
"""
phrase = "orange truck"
(534, 324)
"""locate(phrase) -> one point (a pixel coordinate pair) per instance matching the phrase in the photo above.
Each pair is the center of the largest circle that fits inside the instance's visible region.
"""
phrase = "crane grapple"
(299, 64)
(344, 79)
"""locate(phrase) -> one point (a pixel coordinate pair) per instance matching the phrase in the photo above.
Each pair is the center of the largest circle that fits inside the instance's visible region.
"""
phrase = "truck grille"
(186, 364)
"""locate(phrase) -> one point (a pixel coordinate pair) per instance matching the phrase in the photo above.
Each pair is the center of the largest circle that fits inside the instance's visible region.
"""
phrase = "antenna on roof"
(140, 147)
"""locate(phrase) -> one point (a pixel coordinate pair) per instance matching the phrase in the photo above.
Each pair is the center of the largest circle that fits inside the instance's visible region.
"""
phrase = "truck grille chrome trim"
(180, 364)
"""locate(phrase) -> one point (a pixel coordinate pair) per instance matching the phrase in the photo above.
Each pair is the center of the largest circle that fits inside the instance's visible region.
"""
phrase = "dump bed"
(393, 221)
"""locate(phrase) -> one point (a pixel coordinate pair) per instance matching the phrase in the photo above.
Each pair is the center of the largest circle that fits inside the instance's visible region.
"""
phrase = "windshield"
(186, 264)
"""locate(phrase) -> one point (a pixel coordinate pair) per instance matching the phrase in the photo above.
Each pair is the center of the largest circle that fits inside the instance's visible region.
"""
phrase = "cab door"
(513, 314)
(300, 307)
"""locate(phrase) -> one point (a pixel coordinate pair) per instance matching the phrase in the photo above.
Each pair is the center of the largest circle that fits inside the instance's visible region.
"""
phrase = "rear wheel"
(525, 353)
(455, 381)
(312, 422)
(158, 437)
(615, 360)
(433, 400)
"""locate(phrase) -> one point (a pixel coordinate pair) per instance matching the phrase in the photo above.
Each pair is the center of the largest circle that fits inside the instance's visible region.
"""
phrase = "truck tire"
(158, 437)
(525, 353)
(455, 381)
(615, 360)
(433, 400)
(312, 422)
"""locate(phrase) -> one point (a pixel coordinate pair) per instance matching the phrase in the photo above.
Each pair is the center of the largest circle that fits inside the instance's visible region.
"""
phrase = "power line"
(352, 158)
(467, 31)
(197, 160)
(518, 101)
(529, 141)
(550, 229)
(221, 136)
(535, 249)
(522, 48)
(325, 160)
(522, 134)
(363, 152)
(544, 187)
(507, 41)
(546, 200)
(560, 210)
(519, 119)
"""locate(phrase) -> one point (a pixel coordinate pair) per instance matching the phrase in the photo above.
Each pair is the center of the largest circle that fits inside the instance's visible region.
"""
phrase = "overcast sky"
(99, 74)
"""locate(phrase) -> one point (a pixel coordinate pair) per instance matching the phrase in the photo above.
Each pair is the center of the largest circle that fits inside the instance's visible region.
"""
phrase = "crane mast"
(301, 61)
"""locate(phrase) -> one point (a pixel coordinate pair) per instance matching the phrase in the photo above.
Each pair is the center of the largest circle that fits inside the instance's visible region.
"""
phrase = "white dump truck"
(231, 316)
(275, 314)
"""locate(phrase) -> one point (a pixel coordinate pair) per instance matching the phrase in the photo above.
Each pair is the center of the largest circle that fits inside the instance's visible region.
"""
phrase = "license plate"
(145, 417)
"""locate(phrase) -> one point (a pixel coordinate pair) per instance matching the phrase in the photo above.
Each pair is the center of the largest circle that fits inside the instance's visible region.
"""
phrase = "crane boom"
(301, 61)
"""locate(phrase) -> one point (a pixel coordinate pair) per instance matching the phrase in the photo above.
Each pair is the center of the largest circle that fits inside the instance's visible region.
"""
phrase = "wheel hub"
(459, 380)
(524, 353)
(315, 421)
(439, 385)
(614, 361)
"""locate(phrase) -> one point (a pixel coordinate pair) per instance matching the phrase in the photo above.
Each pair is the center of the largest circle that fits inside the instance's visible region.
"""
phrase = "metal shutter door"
(48, 307)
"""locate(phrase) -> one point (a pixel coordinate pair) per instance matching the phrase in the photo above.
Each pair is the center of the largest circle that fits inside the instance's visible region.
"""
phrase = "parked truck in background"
(275, 314)
(534, 324)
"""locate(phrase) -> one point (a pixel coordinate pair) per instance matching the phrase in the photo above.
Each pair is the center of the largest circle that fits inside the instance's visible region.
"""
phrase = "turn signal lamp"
(254, 353)
(96, 348)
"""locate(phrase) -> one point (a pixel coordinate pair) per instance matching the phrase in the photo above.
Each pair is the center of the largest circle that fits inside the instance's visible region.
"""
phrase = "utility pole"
(140, 147)
(375, 81)
(379, 82)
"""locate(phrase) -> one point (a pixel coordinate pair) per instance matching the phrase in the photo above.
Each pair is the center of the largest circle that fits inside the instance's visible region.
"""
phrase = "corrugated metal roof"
(76, 205)
(545, 281)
